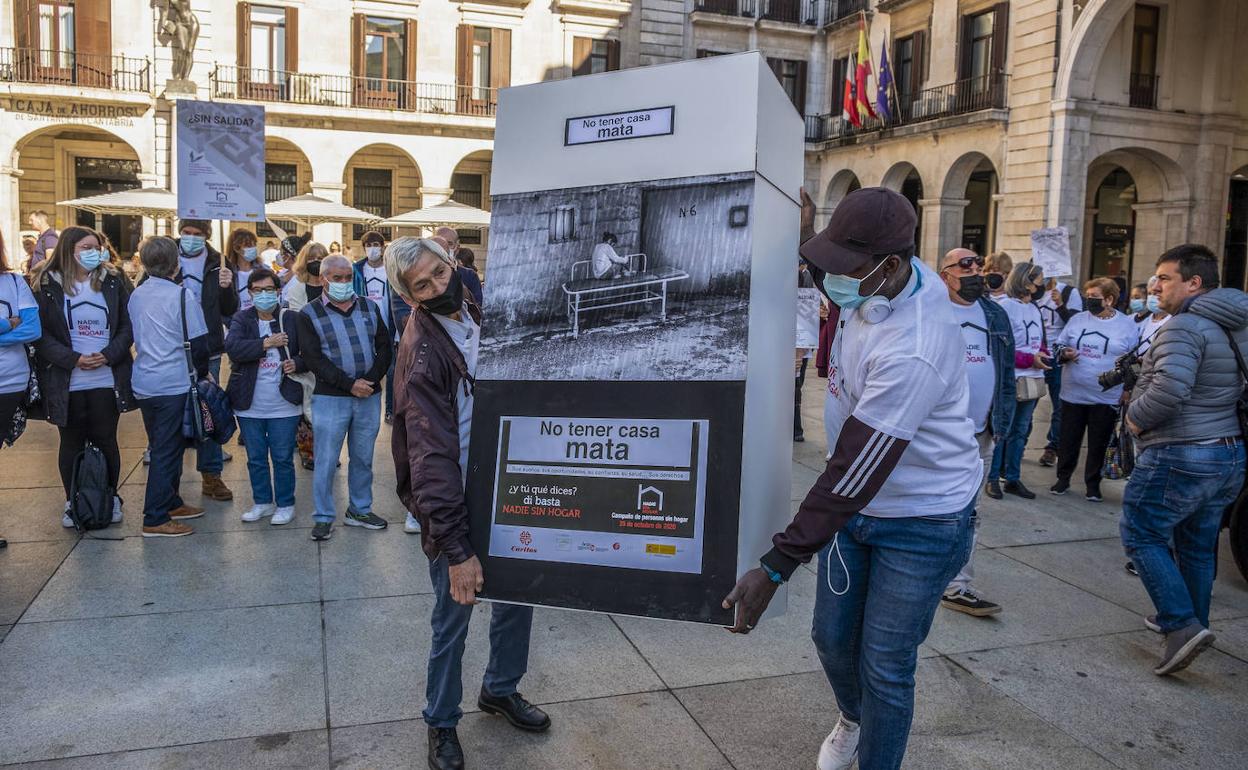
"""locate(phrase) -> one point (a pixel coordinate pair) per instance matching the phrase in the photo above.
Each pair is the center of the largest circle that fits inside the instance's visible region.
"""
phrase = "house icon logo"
(649, 500)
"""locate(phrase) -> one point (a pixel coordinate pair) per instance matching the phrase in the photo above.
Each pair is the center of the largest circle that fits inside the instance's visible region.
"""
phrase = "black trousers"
(797, 398)
(1098, 420)
(9, 402)
(93, 417)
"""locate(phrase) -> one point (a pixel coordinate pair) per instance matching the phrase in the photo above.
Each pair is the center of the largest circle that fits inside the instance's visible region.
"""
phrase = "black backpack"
(90, 494)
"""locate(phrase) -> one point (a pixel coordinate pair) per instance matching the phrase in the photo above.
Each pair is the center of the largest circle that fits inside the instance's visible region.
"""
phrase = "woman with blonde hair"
(84, 354)
(240, 256)
(996, 269)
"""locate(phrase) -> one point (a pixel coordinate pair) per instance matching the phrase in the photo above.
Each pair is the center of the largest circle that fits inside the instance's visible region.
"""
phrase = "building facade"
(1126, 122)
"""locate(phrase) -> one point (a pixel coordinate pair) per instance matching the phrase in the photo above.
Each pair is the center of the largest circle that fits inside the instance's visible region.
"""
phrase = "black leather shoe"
(993, 489)
(445, 753)
(1017, 488)
(516, 710)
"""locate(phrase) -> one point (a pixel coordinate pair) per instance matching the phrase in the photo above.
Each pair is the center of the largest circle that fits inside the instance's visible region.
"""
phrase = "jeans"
(1178, 492)
(868, 637)
(1007, 458)
(962, 580)
(264, 438)
(356, 420)
(510, 625)
(208, 456)
(162, 417)
(1098, 420)
(1053, 378)
(92, 417)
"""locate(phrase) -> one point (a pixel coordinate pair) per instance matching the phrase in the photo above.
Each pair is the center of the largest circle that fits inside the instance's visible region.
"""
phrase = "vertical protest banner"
(1050, 250)
(635, 292)
(220, 161)
(808, 301)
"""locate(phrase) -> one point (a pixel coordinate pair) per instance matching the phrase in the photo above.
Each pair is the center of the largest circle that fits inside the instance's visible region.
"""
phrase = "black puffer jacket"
(56, 356)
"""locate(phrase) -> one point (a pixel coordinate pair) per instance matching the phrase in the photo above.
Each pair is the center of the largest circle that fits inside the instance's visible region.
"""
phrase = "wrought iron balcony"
(265, 85)
(1144, 90)
(804, 12)
(70, 68)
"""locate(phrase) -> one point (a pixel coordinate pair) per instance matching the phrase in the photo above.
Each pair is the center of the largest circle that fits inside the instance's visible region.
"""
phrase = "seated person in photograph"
(606, 262)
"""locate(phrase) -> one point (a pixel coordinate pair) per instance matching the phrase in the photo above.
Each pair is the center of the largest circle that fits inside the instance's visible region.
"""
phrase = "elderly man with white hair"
(433, 414)
(347, 346)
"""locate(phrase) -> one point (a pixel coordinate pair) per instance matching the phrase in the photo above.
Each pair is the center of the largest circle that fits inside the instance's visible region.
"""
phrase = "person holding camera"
(1183, 412)
(1089, 347)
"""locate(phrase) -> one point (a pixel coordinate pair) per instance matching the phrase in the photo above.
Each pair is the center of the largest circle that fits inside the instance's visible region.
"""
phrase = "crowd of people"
(934, 376)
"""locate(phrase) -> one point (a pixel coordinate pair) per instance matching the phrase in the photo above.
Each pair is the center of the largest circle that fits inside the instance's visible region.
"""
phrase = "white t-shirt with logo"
(981, 376)
(467, 337)
(244, 296)
(378, 287)
(1099, 341)
(15, 296)
(906, 377)
(1147, 328)
(1053, 323)
(86, 315)
(193, 273)
(1027, 326)
(160, 367)
(267, 400)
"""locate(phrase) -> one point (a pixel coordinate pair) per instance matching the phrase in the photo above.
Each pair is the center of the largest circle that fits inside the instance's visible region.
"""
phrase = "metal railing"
(807, 12)
(1144, 90)
(835, 10)
(958, 98)
(265, 85)
(32, 65)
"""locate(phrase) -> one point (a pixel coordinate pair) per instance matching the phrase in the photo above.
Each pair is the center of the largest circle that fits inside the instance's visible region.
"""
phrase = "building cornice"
(614, 9)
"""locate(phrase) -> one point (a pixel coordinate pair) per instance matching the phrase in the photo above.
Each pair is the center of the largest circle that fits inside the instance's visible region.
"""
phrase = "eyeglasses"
(966, 262)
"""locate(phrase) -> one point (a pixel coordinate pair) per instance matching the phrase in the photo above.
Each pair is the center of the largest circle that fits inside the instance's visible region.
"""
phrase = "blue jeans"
(510, 625)
(868, 637)
(1178, 492)
(208, 456)
(162, 417)
(264, 438)
(357, 420)
(1007, 458)
(1053, 378)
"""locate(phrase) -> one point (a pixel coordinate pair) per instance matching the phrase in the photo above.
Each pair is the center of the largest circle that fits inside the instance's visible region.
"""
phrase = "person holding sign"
(436, 367)
(901, 483)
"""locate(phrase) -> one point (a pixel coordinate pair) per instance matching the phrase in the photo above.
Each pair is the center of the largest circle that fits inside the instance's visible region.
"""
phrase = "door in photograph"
(704, 229)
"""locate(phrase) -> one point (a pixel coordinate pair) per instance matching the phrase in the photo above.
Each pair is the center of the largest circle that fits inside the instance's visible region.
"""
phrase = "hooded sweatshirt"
(1190, 381)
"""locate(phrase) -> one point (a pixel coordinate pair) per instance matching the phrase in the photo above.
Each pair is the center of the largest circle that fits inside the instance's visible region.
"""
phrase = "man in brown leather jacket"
(432, 419)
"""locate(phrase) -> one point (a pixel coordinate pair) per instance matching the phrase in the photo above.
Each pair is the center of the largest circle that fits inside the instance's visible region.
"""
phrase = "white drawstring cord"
(836, 546)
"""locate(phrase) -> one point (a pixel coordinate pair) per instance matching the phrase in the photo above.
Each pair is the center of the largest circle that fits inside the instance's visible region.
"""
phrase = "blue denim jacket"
(1001, 347)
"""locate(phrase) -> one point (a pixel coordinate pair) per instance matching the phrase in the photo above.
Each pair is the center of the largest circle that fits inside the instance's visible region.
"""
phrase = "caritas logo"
(526, 543)
(526, 538)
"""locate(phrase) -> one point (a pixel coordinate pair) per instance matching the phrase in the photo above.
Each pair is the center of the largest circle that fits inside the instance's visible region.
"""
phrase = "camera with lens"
(1126, 372)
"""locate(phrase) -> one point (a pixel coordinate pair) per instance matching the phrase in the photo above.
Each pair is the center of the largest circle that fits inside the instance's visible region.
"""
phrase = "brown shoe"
(168, 529)
(185, 511)
(1049, 458)
(215, 489)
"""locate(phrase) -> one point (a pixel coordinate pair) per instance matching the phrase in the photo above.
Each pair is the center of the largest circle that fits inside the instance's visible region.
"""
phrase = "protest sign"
(1050, 250)
(220, 161)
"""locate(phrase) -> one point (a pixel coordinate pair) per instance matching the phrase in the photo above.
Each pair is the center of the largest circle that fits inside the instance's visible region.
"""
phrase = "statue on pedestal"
(178, 28)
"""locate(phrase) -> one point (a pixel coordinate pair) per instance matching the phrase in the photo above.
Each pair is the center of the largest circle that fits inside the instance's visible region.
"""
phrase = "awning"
(154, 202)
(448, 214)
(311, 210)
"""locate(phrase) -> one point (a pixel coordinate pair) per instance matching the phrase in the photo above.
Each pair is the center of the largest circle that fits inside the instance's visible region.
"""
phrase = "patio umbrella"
(311, 210)
(154, 202)
(448, 214)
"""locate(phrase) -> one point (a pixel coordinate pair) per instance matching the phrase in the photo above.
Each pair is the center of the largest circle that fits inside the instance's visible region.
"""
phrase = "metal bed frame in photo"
(642, 287)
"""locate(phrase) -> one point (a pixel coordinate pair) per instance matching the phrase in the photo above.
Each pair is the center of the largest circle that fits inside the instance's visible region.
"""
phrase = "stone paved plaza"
(249, 646)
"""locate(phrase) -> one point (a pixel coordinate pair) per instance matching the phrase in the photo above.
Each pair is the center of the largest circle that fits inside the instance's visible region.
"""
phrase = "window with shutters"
(903, 68)
(563, 224)
(384, 48)
(55, 32)
(980, 39)
(372, 190)
(591, 56)
(792, 76)
(268, 42)
(600, 57)
(480, 63)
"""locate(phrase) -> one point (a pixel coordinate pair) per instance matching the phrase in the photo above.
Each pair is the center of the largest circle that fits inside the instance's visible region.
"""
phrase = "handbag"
(1120, 454)
(1030, 388)
(207, 415)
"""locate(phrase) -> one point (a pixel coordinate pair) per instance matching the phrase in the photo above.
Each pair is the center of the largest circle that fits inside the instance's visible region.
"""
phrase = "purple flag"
(883, 83)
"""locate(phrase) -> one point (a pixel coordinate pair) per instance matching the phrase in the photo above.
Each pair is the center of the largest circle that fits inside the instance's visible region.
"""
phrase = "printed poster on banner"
(1050, 250)
(220, 161)
(606, 492)
(808, 318)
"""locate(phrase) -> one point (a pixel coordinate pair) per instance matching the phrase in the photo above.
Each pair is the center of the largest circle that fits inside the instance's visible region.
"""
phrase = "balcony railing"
(70, 68)
(264, 85)
(964, 96)
(807, 12)
(1144, 90)
(835, 10)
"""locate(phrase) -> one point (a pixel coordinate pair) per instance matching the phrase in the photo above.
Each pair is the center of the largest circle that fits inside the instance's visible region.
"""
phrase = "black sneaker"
(1094, 495)
(365, 520)
(968, 602)
(1131, 568)
(1049, 458)
(1060, 487)
(993, 490)
(1017, 488)
(445, 753)
(798, 438)
(322, 530)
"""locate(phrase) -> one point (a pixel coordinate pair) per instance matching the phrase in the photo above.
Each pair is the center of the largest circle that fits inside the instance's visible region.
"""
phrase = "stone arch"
(843, 183)
(1076, 74)
(382, 163)
(897, 175)
(968, 218)
(470, 184)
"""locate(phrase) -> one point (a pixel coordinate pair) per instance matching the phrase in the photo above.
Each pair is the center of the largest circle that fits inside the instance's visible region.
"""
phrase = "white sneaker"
(283, 515)
(840, 748)
(411, 525)
(258, 512)
(66, 521)
(117, 513)
(147, 456)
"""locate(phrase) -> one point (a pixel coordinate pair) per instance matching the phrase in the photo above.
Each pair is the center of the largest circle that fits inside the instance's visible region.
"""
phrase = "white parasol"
(448, 214)
(311, 210)
(154, 202)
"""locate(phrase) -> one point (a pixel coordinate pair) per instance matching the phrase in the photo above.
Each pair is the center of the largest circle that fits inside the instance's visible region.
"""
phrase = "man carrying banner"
(900, 484)
(437, 362)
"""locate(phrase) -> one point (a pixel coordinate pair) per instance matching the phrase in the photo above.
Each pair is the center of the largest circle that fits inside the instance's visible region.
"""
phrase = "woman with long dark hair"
(19, 325)
(84, 354)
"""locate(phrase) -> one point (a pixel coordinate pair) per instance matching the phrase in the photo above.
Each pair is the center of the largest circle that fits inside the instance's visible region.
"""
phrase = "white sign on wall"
(220, 161)
(591, 129)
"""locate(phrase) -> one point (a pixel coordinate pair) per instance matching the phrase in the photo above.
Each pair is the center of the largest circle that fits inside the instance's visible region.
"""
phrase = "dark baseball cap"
(867, 222)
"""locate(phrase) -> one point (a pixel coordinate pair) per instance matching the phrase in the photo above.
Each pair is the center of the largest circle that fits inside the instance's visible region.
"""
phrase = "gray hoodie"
(1190, 380)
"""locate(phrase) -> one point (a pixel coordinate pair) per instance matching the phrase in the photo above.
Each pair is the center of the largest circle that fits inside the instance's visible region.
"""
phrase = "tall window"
(384, 48)
(480, 63)
(56, 34)
(600, 57)
(468, 191)
(903, 68)
(372, 191)
(980, 42)
(1144, 56)
(281, 181)
(268, 41)
(483, 65)
(792, 76)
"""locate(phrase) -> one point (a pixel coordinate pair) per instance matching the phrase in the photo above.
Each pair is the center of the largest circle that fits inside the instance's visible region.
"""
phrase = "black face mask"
(314, 267)
(994, 280)
(1094, 305)
(449, 301)
(971, 287)
(1038, 294)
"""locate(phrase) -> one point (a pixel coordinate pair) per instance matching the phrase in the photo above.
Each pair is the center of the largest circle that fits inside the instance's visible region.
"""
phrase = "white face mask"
(373, 253)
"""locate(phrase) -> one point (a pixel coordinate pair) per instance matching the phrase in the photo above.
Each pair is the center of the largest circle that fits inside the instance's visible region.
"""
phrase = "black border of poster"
(646, 593)
(567, 126)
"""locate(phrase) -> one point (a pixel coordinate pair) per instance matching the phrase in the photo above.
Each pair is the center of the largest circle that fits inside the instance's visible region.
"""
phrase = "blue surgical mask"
(265, 300)
(1138, 305)
(249, 253)
(192, 245)
(90, 258)
(843, 290)
(340, 291)
(1153, 304)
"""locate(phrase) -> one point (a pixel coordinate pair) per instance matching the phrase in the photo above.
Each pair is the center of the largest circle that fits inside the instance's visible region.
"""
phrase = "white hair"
(403, 253)
(334, 259)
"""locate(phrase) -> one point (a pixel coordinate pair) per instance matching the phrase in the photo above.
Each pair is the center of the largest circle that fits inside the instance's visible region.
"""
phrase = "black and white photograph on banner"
(644, 281)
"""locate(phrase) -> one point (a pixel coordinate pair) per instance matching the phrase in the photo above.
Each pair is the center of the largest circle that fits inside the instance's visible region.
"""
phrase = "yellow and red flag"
(863, 73)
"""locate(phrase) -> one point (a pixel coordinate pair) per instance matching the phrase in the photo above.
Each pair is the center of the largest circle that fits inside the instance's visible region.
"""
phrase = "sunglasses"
(966, 262)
